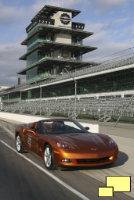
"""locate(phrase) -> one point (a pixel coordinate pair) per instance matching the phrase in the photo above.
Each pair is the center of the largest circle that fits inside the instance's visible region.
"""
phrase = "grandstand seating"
(104, 107)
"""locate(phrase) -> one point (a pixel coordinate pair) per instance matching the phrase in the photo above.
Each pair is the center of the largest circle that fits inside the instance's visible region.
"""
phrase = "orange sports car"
(65, 143)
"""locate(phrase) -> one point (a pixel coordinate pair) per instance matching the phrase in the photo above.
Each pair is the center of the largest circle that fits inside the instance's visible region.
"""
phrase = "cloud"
(108, 50)
(9, 63)
(102, 6)
(115, 24)
(61, 3)
(106, 42)
(107, 35)
(10, 14)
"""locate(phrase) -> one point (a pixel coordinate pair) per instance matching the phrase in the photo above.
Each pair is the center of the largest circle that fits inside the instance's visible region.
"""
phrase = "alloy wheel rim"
(47, 157)
(18, 143)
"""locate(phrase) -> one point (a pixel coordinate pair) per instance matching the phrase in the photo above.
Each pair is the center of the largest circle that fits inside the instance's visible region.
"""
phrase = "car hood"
(86, 141)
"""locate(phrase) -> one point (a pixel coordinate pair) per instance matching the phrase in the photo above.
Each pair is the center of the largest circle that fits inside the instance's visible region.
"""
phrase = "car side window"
(38, 128)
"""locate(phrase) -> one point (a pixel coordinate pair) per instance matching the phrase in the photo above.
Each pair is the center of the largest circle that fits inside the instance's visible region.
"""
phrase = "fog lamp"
(111, 157)
(66, 160)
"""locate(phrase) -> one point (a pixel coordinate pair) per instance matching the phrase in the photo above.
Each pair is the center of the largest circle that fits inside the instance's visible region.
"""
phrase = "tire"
(19, 147)
(49, 157)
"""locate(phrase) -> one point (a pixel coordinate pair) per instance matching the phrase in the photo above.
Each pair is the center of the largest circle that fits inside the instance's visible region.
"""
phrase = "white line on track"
(80, 195)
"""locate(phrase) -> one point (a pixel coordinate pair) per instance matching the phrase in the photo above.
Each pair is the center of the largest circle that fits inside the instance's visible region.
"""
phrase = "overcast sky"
(112, 22)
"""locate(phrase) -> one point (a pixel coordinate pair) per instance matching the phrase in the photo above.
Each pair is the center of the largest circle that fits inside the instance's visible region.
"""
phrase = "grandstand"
(57, 78)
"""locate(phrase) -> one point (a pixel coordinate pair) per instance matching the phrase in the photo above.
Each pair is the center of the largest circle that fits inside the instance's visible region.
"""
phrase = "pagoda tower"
(53, 43)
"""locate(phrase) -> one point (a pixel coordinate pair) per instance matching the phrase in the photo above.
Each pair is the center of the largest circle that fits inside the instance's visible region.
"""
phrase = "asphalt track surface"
(20, 179)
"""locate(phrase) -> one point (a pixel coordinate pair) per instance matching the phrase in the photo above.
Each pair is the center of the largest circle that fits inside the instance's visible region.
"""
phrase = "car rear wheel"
(19, 147)
(49, 157)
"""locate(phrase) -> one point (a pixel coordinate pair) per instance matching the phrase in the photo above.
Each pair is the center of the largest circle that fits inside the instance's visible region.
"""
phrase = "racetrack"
(20, 179)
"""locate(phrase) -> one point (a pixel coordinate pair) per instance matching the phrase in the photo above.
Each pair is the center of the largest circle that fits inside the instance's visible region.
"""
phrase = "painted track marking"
(77, 193)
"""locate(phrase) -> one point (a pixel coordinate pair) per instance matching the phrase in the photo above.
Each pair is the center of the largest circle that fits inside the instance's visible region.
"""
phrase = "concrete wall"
(63, 38)
(58, 23)
(10, 121)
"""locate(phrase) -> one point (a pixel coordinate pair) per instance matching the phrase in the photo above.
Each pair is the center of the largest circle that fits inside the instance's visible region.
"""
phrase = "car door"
(28, 137)
(36, 137)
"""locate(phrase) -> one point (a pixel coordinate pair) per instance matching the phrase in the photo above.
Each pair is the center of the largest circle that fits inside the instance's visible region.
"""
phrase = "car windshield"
(63, 126)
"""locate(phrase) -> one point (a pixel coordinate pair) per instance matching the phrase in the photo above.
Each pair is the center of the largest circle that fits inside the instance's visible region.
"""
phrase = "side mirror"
(87, 128)
(31, 131)
(32, 125)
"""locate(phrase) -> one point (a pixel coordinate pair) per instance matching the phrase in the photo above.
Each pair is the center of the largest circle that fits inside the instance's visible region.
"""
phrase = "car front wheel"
(19, 147)
(48, 157)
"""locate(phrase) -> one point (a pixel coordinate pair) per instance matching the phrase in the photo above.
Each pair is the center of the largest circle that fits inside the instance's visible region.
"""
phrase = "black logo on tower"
(65, 19)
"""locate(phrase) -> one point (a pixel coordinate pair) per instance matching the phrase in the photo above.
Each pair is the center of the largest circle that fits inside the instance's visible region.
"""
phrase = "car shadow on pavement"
(122, 158)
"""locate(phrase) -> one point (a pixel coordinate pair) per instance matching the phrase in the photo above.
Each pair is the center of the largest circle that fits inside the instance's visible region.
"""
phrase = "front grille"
(96, 160)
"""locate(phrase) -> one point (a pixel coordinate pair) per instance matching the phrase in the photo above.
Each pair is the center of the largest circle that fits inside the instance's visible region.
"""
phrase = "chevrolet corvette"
(65, 143)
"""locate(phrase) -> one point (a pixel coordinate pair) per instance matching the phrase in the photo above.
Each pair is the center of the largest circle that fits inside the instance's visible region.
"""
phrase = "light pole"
(40, 99)
(75, 93)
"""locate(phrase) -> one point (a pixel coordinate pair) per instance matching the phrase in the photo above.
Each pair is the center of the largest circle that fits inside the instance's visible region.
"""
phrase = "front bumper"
(80, 159)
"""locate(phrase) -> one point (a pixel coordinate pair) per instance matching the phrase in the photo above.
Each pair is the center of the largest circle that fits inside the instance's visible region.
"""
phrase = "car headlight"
(62, 145)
